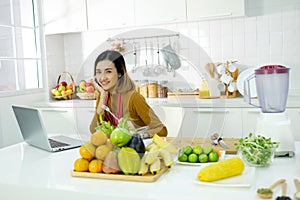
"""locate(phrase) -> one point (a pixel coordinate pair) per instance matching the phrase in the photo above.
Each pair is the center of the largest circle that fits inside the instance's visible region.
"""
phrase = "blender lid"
(271, 69)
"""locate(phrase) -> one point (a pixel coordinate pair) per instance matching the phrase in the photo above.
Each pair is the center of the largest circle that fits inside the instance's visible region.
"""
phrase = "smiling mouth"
(103, 84)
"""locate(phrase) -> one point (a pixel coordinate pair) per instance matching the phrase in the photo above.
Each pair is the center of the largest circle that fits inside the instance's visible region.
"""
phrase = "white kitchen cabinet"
(58, 120)
(64, 16)
(250, 116)
(203, 122)
(157, 12)
(203, 9)
(171, 117)
(83, 118)
(105, 14)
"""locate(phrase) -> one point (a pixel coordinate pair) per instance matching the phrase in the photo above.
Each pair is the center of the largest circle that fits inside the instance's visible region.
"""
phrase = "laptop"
(34, 133)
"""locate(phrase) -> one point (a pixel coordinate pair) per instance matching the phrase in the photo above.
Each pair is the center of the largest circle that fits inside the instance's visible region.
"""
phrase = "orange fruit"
(101, 152)
(98, 138)
(81, 165)
(87, 151)
(217, 151)
(95, 166)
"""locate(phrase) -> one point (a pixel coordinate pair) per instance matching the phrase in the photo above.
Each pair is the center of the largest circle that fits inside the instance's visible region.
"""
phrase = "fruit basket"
(64, 91)
(86, 90)
(86, 96)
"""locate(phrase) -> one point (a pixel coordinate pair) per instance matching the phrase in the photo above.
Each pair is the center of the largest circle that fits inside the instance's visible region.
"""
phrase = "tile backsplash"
(272, 38)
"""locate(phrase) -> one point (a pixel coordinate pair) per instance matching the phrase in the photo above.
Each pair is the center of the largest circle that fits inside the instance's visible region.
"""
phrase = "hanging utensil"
(158, 68)
(135, 59)
(171, 57)
(147, 71)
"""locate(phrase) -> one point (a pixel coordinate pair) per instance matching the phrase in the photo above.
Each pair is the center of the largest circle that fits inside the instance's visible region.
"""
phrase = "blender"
(272, 85)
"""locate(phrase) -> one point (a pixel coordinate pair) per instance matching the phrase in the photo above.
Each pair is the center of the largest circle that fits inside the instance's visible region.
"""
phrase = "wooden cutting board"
(181, 142)
(146, 178)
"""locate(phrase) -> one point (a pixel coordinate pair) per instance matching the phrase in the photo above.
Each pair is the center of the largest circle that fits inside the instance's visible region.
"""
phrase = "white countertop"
(174, 101)
(30, 173)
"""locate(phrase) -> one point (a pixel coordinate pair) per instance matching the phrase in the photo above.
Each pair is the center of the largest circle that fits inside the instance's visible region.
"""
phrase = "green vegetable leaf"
(256, 149)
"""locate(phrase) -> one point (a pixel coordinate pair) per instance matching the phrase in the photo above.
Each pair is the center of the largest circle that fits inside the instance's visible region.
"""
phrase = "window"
(20, 47)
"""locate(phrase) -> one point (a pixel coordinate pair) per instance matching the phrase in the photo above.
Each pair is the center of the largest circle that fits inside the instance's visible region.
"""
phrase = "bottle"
(137, 85)
(204, 89)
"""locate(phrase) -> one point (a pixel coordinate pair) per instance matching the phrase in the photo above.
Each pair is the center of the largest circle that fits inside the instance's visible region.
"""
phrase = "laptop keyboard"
(54, 143)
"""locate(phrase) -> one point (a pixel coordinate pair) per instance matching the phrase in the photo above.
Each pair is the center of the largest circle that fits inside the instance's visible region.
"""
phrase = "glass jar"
(143, 89)
(152, 89)
(137, 85)
(162, 90)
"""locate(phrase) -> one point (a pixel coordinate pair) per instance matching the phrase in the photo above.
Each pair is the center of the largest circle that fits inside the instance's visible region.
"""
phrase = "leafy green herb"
(105, 126)
(257, 150)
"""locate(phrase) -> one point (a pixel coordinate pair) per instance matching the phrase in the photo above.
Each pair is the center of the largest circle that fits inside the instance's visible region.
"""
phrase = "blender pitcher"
(272, 84)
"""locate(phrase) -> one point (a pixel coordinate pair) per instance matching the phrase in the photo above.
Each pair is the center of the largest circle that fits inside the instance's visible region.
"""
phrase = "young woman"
(117, 91)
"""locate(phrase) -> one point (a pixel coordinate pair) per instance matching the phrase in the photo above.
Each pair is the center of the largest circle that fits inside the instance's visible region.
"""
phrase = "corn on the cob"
(222, 169)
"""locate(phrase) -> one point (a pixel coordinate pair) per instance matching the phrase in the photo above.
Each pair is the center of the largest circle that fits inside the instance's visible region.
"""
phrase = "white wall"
(270, 36)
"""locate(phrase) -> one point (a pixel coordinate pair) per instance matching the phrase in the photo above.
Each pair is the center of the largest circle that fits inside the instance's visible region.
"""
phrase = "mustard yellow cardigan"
(138, 109)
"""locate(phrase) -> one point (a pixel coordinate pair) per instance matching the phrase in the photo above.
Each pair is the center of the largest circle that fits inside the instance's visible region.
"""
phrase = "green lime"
(197, 149)
(182, 157)
(213, 156)
(187, 150)
(203, 158)
(193, 158)
(207, 149)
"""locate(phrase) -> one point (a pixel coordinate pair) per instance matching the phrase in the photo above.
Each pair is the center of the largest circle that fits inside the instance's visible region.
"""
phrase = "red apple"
(64, 83)
(87, 84)
(90, 89)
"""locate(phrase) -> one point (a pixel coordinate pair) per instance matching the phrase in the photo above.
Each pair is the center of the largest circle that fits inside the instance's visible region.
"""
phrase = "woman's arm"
(100, 99)
(143, 115)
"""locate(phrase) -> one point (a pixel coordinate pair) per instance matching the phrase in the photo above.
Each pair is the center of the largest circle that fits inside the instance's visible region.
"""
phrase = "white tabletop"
(30, 173)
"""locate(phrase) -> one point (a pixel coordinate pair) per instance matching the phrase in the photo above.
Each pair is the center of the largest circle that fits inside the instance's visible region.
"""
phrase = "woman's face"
(107, 75)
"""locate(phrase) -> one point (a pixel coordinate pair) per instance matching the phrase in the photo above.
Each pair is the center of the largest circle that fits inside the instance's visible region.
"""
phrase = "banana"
(155, 166)
(152, 155)
(150, 146)
(161, 143)
(167, 157)
(144, 168)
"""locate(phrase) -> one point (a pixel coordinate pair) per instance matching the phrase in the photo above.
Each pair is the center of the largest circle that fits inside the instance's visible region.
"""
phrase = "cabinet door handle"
(254, 111)
(211, 111)
(60, 111)
(216, 16)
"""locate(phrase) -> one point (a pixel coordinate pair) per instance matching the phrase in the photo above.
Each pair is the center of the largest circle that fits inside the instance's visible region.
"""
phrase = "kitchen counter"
(175, 101)
(30, 173)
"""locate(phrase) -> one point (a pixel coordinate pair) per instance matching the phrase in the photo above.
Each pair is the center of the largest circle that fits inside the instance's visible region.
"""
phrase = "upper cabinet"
(64, 16)
(203, 9)
(157, 11)
(105, 14)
